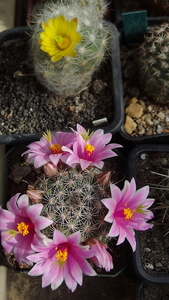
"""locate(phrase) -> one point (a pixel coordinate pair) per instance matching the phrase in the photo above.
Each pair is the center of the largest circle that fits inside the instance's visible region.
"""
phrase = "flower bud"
(35, 195)
(104, 178)
(50, 169)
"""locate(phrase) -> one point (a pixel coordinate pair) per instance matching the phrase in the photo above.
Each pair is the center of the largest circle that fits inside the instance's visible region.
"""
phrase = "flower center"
(56, 148)
(62, 42)
(61, 255)
(23, 228)
(128, 213)
(89, 148)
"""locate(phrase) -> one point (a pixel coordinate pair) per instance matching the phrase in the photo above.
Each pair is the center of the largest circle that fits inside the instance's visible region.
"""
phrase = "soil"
(27, 107)
(152, 292)
(20, 175)
(155, 242)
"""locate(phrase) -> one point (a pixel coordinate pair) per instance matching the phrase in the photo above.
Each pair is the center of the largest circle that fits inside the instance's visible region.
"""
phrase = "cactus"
(72, 199)
(69, 75)
(154, 64)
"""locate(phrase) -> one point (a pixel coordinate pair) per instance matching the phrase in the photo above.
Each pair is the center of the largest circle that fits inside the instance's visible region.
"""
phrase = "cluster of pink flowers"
(66, 258)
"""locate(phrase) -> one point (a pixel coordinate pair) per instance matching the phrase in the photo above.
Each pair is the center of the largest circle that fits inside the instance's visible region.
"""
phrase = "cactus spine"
(71, 74)
(154, 63)
(72, 199)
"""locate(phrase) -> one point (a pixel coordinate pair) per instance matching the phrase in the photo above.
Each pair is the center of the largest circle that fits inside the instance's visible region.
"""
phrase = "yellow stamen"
(89, 148)
(62, 42)
(23, 228)
(61, 255)
(128, 213)
(56, 148)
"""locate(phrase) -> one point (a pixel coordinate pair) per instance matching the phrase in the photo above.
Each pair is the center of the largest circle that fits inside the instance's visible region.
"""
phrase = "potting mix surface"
(28, 107)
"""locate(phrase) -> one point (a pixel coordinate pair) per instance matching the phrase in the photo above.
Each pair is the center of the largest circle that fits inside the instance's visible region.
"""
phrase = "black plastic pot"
(138, 268)
(13, 156)
(114, 126)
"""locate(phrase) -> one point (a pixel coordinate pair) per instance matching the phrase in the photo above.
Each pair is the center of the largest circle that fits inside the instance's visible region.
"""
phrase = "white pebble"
(143, 156)
(148, 121)
(155, 122)
(147, 250)
(158, 265)
(150, 108)
(161, 115)
(149, 266)
(159, 129)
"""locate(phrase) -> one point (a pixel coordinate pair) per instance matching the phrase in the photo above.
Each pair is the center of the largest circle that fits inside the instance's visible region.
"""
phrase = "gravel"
(146, 116)
(27, 107)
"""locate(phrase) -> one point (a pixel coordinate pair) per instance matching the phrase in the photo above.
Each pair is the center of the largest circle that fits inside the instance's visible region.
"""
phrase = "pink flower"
(128, 210)
(20, 227)
(62, 258)
(49, 148)
(90, 149)
(101, 258)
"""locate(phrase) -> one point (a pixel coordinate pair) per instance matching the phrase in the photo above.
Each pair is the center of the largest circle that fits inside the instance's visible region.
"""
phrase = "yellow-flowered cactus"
(70, 39)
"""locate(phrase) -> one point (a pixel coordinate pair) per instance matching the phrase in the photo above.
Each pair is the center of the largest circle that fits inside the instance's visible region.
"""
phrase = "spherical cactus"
(69, 42)
(154, 64)
(72, 199)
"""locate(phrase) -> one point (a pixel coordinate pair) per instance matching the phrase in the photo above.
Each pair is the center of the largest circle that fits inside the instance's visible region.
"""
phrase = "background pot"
(130, 25)
(138, 268)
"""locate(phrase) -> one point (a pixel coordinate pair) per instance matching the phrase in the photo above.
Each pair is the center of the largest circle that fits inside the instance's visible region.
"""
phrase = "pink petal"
(74, 269)
(74, 238)
(140, 194)
(54, 158)
(58, 280)
(50, 273)
(34, 211)
(59, 237)
(42, 222)
(131, 238)
(69, 280)
(40, 160)
(12, 205)
(122, 235)
(84, 163)
(114, 230)
(23, 202)
(85, 266)
(6, 218)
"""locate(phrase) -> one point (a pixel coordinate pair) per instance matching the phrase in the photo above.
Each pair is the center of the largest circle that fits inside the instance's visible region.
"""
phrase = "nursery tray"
(118, 108)
(140, 272)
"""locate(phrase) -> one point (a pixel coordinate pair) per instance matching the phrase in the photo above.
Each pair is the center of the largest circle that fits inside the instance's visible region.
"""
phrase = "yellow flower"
(59, 37)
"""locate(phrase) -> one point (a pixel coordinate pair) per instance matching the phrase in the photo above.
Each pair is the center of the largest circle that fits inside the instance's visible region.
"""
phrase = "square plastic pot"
(118, 113)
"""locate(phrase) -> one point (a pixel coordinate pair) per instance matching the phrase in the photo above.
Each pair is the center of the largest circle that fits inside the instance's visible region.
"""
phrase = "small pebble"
(149, 266)
(143, 156)
(159, 129)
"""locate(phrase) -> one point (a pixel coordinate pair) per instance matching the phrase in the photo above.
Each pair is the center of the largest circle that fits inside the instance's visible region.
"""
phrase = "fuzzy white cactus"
(69, 75)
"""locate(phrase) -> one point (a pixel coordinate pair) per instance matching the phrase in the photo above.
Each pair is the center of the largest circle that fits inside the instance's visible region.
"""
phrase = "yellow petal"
(56, 57)
(66, 30)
